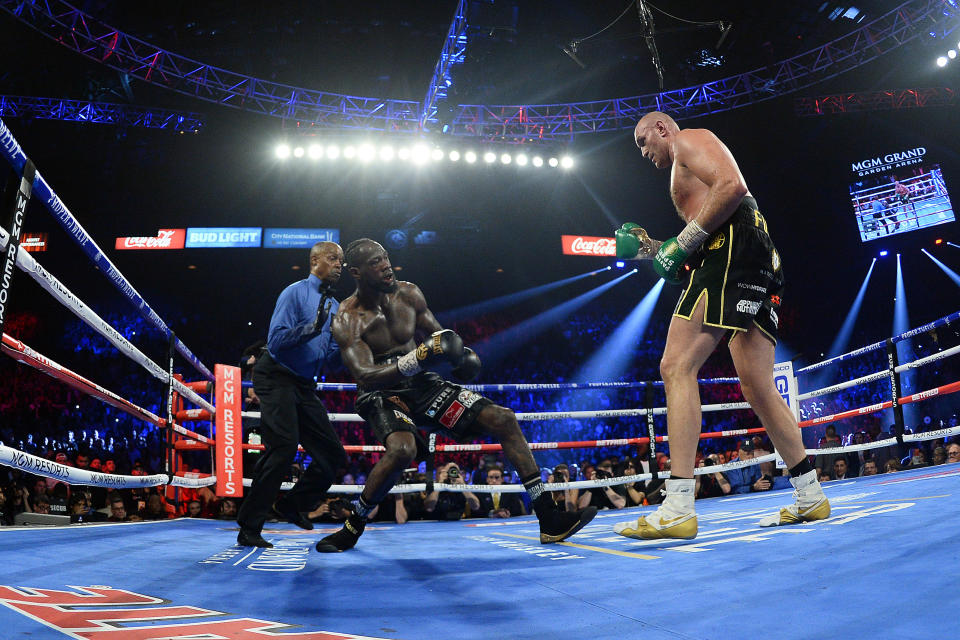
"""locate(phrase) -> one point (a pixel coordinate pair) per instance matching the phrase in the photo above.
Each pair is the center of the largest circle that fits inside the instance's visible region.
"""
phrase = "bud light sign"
(208, 237)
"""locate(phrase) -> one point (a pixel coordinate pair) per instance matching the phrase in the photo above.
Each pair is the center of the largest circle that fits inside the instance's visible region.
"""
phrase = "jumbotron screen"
(897, 192)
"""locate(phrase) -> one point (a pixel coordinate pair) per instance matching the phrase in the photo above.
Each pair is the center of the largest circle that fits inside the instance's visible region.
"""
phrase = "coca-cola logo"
(165, 239)
(588, 246)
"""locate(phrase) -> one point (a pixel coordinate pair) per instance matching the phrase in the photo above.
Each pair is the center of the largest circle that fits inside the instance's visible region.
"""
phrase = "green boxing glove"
(628, 245)
(673, 253)
(669, 261)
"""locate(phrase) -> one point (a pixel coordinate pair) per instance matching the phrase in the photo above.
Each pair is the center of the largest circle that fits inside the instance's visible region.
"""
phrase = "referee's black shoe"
(286, 511)
(250, 538)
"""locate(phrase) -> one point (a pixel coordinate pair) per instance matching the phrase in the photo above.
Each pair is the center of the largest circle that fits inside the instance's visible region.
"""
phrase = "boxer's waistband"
(748, 213)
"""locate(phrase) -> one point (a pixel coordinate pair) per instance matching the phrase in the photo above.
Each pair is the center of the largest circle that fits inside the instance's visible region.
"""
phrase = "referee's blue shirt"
(291, 341)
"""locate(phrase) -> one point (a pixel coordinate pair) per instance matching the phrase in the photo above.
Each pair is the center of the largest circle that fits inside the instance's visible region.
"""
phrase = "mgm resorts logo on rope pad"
(92, 612)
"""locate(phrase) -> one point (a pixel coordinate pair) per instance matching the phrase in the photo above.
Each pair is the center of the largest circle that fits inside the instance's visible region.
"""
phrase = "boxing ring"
(926, 203)
(888, 535)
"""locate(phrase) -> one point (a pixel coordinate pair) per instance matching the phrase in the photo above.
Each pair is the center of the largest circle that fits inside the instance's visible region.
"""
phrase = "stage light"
(454, 156)
(522, 160)
(942, 61)
(505, 158)
(553, 162)
(953, 275)
(404, 153)
(938, 241)
(315, 151)
(298, 152)
(366, 153)
(349, 152)
(386, 153)
(501, 302)
(470, 157)
(901, 323)
(612, 360)
(283, 151)
(499, 345)
(951, 54)
(489, 157)
(537, 161)
(420, 154)
(620, 264)
(333, 152)
(842, 339)
(436, 155)
(566, 162)
(883, 253)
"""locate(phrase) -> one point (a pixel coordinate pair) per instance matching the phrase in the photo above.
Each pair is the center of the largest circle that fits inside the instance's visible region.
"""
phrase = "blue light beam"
(612, 359)
(901, 323)
(947, 270)
(448, 318)
(502, 344)
(843, 338)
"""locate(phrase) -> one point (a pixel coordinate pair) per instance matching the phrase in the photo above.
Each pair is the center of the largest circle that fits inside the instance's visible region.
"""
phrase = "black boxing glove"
(442, 347)
(468, 368)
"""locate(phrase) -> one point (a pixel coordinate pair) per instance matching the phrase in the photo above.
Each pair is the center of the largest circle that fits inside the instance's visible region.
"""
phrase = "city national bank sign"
(889, 161)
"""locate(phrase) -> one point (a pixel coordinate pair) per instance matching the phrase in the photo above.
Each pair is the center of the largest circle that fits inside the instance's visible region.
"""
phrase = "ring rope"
(15, 155)
(620, 480)
(946, 320)
(23, 353)
(53, 286)
(71, 475)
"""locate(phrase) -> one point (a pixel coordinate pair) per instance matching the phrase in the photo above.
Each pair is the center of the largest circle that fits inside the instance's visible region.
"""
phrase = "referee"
(299, 345)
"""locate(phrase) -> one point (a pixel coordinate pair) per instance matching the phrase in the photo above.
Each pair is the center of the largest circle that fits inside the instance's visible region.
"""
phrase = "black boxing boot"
(556, 525)
(347, 537)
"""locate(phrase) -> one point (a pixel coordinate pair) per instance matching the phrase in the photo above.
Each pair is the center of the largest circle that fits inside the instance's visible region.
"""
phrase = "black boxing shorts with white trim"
(738, 272)
(424, 401)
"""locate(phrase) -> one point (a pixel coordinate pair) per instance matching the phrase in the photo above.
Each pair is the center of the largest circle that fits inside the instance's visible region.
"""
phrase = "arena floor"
(883, 566)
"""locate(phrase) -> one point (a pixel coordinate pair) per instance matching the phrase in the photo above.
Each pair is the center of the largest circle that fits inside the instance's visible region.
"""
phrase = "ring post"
(895, 392)
(17, 195)
(652, 433)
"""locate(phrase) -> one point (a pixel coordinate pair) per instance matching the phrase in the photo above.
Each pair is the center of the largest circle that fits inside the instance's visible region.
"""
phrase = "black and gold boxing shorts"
(738, 272)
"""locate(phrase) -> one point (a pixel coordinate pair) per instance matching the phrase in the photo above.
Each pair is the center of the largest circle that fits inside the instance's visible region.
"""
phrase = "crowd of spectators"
(44, 417)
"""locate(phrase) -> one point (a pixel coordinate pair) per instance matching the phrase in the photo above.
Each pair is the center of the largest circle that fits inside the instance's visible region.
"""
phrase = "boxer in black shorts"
(734, 282)
(738, 271)
(399, 391)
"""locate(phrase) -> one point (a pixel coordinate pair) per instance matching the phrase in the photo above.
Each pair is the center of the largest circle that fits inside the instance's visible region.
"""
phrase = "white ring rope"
(933, 357)
(71, 475)
(621, 480)
(45, 279)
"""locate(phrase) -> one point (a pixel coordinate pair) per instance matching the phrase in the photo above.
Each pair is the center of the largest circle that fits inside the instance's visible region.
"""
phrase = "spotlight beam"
(612, 359)
(843, 337)
(452, 316)
(947, 270)
(901, 323)
(502, 344)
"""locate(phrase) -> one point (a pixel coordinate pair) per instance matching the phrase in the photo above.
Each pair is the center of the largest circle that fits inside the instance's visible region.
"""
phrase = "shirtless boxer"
(734, 283)
(397, 390)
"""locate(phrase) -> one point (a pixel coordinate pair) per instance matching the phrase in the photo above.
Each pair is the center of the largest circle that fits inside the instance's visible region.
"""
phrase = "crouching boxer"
(398, 388)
